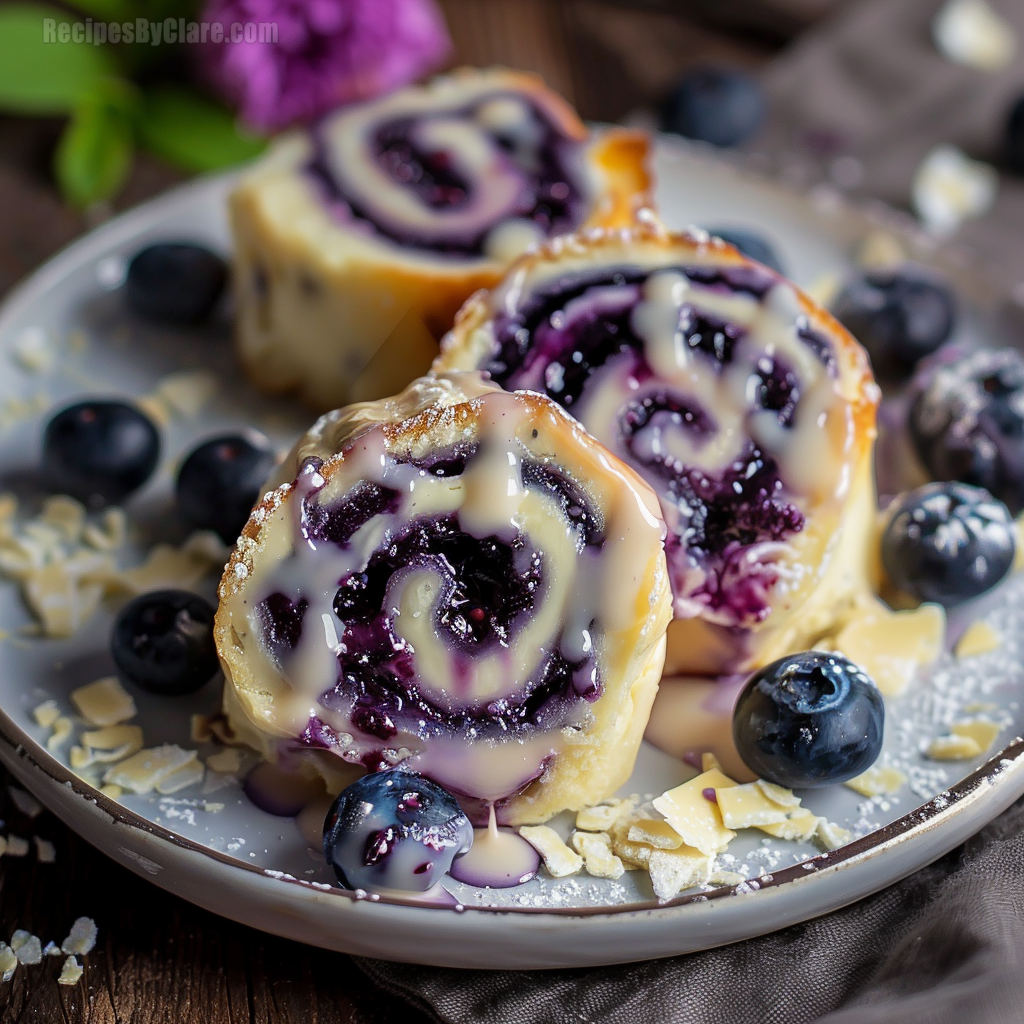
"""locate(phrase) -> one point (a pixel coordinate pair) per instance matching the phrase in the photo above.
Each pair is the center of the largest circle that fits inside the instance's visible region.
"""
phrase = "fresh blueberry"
(898, 314)
(723, 106)
(808, 720)
(966, 421)
(948, 542)
(174, 282)
(99, 451)
(163, 642)
(751, 244)
(1014, 142)
(219, 482)
(394, 830)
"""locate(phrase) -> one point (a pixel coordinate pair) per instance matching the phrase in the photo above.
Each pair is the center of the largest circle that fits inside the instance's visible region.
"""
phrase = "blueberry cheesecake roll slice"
(356, 242)
(459, 580)
(748, 409)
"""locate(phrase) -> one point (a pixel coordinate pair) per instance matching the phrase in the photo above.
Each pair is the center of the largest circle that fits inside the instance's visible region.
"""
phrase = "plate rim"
(953, 803)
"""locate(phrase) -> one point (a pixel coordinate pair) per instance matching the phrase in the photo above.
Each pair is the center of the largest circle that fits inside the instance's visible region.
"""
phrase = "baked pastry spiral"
(356, 243)
(459, 579)
(748, 409)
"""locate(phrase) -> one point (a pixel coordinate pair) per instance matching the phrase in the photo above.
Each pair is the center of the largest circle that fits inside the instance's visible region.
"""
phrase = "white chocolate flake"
(949, 188)
(82, 937)
(8, 962)
(978, 638)
(973, 33)
(104, 702)
(142, 772)
(878, 780)
(558, 858)
(746, 805)
(27, 947)
(672, 871)
(71, 972)
(696, 818)
(46, 852)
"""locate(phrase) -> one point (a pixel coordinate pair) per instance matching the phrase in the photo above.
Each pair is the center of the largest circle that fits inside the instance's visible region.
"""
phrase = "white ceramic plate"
(248, 865)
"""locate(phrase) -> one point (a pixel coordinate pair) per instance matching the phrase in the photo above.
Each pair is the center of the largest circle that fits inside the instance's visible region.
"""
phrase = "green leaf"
(45, 77)
(95, 152)
(107, 10)
(191, 131)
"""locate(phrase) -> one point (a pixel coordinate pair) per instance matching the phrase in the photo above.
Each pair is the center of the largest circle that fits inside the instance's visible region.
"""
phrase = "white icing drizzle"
(469, 142)
(578, 590)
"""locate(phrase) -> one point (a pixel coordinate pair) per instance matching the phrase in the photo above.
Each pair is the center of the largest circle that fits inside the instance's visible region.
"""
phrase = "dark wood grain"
(160, 960)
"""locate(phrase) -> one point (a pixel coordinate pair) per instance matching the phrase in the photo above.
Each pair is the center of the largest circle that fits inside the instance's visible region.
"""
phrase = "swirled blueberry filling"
(337, 524)
(281, 621)
(486, 588)
(577, 508)
(538, 154)
(576, 331)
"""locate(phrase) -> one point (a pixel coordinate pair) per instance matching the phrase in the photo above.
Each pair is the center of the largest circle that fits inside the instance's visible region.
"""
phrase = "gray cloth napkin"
(946, 945)
(863, 98)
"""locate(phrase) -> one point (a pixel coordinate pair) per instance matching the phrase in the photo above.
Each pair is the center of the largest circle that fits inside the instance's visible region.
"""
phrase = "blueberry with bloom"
(327, 52)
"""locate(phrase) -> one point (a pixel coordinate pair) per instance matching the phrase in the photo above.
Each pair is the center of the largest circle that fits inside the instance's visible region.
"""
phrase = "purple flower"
(326, 52)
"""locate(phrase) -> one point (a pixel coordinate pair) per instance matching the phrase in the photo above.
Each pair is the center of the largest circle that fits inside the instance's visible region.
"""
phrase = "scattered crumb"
(27, 947)
(46, 713)
(981, 730)
(672, 871)
(599, 818)
(878, 780)
(892, 645)
(596, 850)
(52, 949)
(746, 806)
(949, 188)
(104, 702)
(71, 972)
(978, 638)
(17, 847)
(8, 962)
(109, 533)
(971, 33)
(46, 852)
(189, 774)
(880, 249)
(830, 835)
(164, 568)
(696, 818)
(559, 860)
(141, 772)
(180, 395)
(952, 748)
(228, 761)
(824, 289)
(25, 802)
(801, 825)
(81, 938)
(33, 350)
(719, 876)
(659, 835)
(62, 729)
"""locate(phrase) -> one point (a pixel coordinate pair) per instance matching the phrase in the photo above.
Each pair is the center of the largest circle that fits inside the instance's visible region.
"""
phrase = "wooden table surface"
(160, 960)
